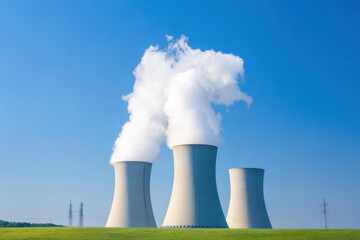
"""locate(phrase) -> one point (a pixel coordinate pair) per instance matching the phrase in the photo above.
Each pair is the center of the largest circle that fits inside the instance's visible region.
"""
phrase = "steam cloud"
(172, 99)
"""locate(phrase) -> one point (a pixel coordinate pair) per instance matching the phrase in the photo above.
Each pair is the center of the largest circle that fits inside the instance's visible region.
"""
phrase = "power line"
(81, 215)
(324, 212)
(70, 215)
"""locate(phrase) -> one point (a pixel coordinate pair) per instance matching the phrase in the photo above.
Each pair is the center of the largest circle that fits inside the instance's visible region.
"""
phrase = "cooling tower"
(131, 205)
(194, 201)
(247, 205)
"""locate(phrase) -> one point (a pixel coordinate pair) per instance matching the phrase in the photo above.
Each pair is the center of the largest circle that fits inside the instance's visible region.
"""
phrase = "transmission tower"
(81, 215)
(70, 215)
(324, 212)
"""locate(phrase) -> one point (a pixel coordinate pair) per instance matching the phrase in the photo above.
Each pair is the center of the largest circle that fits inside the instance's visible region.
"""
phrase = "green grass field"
(148, 233)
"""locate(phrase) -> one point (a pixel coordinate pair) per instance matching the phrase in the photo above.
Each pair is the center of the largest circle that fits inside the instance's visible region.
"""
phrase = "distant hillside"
(4, 224)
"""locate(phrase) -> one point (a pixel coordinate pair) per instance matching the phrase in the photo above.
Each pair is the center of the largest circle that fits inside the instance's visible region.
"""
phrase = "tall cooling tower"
(194, 201)
(247, 205)
(131, 205)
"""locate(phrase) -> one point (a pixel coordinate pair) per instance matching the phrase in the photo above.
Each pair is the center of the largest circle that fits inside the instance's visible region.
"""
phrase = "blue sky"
(64, 66)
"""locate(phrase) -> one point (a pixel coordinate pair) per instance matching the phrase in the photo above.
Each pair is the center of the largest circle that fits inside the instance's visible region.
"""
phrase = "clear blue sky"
(64, 66)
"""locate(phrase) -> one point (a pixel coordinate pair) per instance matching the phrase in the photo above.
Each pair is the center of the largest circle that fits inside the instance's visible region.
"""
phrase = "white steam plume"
(172, 99)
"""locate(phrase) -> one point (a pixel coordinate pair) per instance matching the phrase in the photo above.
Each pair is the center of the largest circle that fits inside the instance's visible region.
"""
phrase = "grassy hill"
(150, 233)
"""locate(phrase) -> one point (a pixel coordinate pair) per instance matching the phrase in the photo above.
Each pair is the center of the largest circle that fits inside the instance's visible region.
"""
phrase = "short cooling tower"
(194, 200)
(131, 205)
(247, 206)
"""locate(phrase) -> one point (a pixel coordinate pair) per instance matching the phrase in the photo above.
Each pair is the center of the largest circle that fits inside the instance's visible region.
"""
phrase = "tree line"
(4, 224)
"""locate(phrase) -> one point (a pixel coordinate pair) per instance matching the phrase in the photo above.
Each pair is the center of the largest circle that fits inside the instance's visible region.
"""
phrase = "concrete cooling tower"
(131, 205)
(194, 201)
(247, 205)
